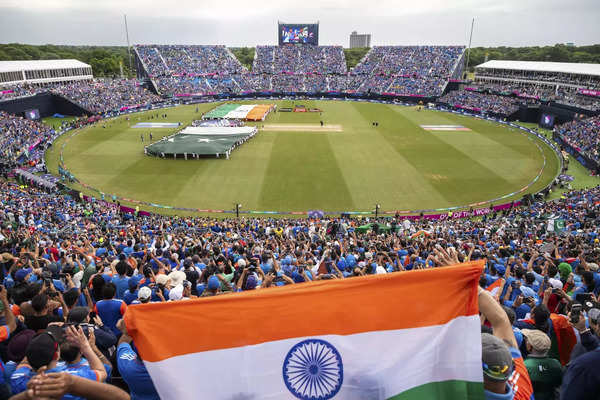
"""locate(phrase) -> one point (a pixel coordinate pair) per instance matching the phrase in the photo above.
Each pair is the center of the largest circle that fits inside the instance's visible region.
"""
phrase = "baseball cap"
(555, 283)
(251, 282)
(177, 277)
(241, 263)
(18, 345)
(496, 359)
(537, 339)
(22, 273)
(41, 350)
(528, 292)
(161, 279)
(132, 283)
(144, 293)
(213, 283)
(176, 293)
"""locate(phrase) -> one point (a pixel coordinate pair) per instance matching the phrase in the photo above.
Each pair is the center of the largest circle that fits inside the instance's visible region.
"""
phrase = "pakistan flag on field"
(555, 224)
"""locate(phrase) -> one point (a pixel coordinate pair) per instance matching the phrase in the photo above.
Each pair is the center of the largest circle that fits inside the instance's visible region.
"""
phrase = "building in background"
(43, 71)
(360, 40)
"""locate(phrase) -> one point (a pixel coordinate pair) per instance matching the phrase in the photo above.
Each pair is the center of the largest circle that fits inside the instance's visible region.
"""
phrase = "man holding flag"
(318, 350)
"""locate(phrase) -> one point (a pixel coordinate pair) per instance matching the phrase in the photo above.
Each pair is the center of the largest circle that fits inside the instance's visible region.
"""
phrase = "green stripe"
(446, 390)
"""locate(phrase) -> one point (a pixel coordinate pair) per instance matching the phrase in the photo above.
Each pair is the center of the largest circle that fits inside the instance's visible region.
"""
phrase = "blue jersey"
(135, 374)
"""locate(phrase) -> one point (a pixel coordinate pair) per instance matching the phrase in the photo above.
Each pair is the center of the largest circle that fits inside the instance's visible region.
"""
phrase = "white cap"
(241, 263)
(176, 293)
(144, 293)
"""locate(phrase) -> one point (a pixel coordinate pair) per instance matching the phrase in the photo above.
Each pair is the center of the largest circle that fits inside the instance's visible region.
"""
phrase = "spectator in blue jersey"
(43, 352)
(110, 310)
(5, 331)
(132, 368)
(121, 279)
(82, 357)
(132, 292)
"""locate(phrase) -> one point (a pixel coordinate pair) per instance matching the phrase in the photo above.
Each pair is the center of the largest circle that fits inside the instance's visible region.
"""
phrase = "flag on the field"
(407, 335)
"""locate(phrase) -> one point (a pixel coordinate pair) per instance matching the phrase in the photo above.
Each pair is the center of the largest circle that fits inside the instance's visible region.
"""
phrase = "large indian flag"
(409, 335)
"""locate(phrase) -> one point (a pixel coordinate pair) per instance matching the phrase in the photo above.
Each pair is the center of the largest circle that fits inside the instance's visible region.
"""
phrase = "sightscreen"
(299, 33)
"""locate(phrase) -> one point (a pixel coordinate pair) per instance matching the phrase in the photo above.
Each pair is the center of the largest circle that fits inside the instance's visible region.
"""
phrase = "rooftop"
(543, 66)
(31, 65)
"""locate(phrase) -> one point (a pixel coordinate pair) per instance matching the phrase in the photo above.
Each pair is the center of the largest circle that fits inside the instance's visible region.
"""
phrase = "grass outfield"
(397, 164)
(57, 122)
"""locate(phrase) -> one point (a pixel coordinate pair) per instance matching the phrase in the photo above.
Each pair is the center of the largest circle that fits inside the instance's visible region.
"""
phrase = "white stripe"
(377, 364)
(240, 112)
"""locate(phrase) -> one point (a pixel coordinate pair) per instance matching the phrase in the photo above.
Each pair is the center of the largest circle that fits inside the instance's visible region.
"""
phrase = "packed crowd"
(539, 76)
(299, 59)
(169, 60)
(97, 96)
(583, 135)
(103, 95)
(483, 102)
(21, 140)
(83, 264)
(415, 70)
(534, 92)
(19, 90)
(413, 61)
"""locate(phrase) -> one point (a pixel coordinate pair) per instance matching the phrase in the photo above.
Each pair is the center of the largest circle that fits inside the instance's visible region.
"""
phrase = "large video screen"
(547, 121)
(299, 33)
(33, 114)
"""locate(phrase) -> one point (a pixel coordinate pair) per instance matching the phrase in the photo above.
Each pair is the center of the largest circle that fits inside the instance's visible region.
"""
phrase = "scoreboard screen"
(299, 33)
(547, 121)
(33, 114)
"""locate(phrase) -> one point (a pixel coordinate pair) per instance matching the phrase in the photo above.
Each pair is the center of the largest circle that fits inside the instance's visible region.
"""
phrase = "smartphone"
(576, 313)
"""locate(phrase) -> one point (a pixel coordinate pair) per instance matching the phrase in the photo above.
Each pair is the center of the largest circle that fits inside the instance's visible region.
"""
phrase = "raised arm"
(497, 317)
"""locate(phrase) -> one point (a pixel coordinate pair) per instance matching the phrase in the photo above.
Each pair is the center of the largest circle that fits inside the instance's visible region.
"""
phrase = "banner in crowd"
(588, 92)
(297, 342)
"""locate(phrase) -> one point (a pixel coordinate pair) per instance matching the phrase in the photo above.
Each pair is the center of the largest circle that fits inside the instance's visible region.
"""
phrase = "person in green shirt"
(545, 372)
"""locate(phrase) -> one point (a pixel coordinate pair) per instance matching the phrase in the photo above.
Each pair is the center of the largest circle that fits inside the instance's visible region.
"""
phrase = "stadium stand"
(583, 135)
(484, 102)
(391, 70)
(575, 84)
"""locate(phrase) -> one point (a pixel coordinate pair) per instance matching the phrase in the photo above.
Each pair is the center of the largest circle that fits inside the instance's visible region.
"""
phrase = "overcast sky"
(247, 23)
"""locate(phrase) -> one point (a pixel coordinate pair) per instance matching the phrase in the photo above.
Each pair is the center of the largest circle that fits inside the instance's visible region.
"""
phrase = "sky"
(248, 23)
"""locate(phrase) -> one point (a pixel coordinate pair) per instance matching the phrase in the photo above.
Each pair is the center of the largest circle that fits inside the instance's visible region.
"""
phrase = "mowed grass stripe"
(456, 175)
(303, 174)
(218, 184)
(498, 147)
(493, 154)
(375, 172)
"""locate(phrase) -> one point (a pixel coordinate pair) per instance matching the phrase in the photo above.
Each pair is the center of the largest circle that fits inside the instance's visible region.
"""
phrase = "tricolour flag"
(495, 286)
(407, 335)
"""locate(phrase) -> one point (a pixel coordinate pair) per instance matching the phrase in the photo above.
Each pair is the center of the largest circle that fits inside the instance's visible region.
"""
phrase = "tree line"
(106, 60)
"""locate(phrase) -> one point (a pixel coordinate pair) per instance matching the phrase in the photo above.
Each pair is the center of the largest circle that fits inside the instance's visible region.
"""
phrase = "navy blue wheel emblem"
(313, 370)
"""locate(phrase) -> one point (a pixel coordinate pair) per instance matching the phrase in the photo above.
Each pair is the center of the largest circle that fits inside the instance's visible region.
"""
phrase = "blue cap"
(200, 288)
(251, 282)
(22, 273)
(527, 292)
(213, 283)
(133, 282)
